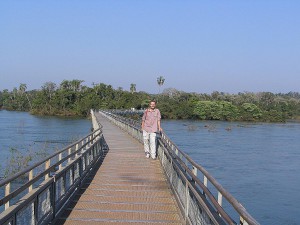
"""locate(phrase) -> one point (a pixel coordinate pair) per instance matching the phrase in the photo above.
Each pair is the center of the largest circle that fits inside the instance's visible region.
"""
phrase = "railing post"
(220, 197)
(187, 201)
(171, 165)
(47, 165)
(69, 153)
(60, 158)
(30, 176)
(195, 171)
(82, 143)
(163, 156)
(204, 182)
(88, 142)
(52, 198)
(7, 191)
(76, 149)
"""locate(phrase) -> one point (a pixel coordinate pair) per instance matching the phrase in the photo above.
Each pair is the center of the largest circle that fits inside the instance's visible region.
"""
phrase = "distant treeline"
(71, 98)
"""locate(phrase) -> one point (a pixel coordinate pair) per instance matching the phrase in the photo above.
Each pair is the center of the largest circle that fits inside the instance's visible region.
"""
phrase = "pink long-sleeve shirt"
(151, 118)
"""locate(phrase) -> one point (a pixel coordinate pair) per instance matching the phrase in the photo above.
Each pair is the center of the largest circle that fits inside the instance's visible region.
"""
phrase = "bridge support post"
(30, 176)
(7, 191)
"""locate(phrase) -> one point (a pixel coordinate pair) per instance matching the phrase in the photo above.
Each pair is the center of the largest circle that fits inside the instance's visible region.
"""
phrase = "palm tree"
(22, 90)
(76, 85)
(132, 88)
(160, 81)
(65, 85)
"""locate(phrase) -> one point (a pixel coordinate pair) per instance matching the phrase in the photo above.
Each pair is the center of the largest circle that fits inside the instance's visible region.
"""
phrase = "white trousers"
(150, 143)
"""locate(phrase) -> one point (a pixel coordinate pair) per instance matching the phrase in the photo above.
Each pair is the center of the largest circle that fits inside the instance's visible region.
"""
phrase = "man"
(150, 125)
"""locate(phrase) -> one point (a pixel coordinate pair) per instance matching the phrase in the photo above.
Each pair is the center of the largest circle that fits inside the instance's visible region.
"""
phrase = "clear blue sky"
(198, 46)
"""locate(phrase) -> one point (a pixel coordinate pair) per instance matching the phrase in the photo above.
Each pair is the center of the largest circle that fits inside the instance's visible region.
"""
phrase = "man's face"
(152, 105)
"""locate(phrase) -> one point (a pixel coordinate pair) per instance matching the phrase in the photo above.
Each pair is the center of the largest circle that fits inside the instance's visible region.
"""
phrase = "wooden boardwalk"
(127, 188)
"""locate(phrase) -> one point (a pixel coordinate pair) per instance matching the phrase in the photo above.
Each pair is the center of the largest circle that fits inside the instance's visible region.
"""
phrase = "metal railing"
(192, 185)
(38, 194)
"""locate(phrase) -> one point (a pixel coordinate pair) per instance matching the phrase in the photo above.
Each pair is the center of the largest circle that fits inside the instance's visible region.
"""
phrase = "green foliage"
(17, 162)
(72, 98)
(216, 110)
(250, 112)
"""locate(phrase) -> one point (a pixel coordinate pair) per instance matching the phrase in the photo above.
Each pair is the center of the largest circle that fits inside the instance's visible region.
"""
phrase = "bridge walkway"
(127, 188)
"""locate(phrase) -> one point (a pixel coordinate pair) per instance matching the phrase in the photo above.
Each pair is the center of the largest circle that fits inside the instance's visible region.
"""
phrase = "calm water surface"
(259, 164)
(25, 132)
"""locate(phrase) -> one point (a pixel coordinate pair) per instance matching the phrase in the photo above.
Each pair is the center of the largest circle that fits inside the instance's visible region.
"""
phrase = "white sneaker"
(147, 155)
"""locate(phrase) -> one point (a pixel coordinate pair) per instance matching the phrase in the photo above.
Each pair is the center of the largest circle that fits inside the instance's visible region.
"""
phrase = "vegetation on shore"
(72, 98)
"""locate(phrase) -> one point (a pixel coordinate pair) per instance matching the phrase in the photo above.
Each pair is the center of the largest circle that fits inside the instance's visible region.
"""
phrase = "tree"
(251, 112)
(76, 85)
(171, 92)
(65, 85)
(132, 88)
(22, 91)
(160, 81)
(216, 110)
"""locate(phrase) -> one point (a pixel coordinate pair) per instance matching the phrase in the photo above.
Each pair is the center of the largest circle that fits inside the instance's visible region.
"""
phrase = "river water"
(28, 133)
(258, 164)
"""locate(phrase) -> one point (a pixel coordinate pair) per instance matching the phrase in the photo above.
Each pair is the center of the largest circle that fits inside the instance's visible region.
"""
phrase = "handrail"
(37, 177)
(64, 172)
(191, 176)
(230, 198)
(237, 205)
(29, 168)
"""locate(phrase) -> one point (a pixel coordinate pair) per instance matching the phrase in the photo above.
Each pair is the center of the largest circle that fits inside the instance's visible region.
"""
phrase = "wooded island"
(72, 98)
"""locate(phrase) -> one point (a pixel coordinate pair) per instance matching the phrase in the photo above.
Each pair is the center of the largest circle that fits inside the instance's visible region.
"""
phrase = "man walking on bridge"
(151, 125)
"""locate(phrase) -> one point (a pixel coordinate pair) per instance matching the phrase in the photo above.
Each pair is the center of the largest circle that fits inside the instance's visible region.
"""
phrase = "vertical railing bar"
(220, 197)
(60, 158)
(187, 201)
(195, 172)
(35, 210)
(47, 165)
(30, 177)
(204, 182)
(76, 149)
(73, 174)
(69, 153)
(171, 165)
(52, 198)
(82, 143)
(87, 143)
(7, 192)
